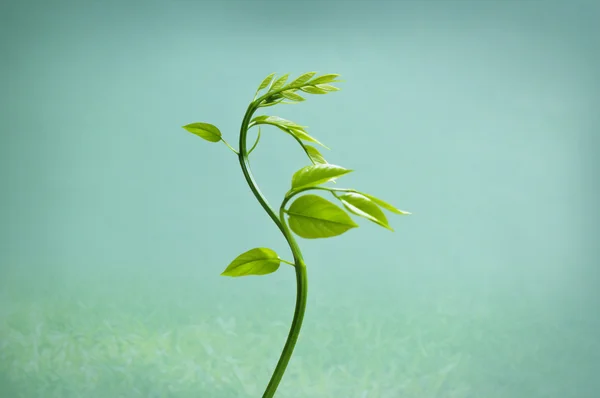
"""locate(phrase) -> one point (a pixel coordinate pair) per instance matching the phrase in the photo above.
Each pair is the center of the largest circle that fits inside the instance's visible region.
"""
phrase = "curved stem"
(255, 142)
(301, 278)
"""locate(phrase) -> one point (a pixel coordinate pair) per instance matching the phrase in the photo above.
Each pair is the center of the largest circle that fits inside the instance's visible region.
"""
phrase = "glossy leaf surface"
(385, 205)
(364, 207)
(313, 90)
(292, 96)
(204, 130)
(329, 78)
(327, 87)
(279, 82)
(303, 135)
(317, 174)
(276, 120)
(265, 82)
(258, 261)
(312, 217)
(288, 126)
(300, 80)
(314, 154)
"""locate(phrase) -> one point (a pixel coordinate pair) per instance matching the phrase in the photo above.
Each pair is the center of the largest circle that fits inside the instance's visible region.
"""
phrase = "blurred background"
(479, 117)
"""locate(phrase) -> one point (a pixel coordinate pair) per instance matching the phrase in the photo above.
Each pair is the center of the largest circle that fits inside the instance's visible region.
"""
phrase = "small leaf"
(204, 130)
(287, 126)
(271, 103)
(292, 96)
(260, 118)
(385, 205)
(279, 82)
(314, 154)
(303, 135)
(324, 79)
(327, 87)
(312, 217)
(300, 80)
(364, 207)
(259, 261)
(313, 90)
(264, 119)
(265, 82)
(316, 174)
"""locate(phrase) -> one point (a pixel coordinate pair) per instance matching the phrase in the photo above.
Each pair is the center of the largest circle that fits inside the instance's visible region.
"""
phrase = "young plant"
(308, 216)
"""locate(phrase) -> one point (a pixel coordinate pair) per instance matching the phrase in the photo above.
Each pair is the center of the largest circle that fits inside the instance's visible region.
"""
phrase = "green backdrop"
(479, 117)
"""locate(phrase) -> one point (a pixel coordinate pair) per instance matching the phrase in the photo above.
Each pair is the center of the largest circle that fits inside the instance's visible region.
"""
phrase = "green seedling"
(308, 216)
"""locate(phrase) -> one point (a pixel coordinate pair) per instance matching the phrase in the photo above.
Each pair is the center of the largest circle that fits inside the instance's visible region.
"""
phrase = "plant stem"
(287, 262)
(255, 142)
(229, 146)
(301, 278)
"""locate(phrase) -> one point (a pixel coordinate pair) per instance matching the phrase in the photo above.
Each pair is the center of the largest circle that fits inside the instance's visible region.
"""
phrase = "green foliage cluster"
(309, 216)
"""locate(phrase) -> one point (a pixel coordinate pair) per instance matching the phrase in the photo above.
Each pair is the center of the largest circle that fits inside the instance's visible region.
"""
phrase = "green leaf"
(327, 87)
(292, 96)
(287, 126)
(312, 217)
(317, 174)
(259, 261)
(276, 120)
(385, 205)
(204, 130)
(324, 79)
(270, 103)
(314, 154)
(364, 207)
(279, 82)
(303, 135)
(265, 82)
(313, 90)
(300, 80)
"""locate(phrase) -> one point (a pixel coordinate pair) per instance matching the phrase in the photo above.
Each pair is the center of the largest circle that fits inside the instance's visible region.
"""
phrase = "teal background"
(479, 117)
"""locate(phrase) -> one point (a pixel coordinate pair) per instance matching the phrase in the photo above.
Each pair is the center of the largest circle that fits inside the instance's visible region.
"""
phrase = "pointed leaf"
(324, 79)
(312, 217)
(300, 80)
(385, 205)
(279, 82)
(287, 126)
(271, 103)
(276, 120)
(259, 261)
(292, 96)
(313, 90)
(327, 87)
(266, 82)
(204, 130)
(314, 154)
(317, 174)
(303, 135)
(364, 207)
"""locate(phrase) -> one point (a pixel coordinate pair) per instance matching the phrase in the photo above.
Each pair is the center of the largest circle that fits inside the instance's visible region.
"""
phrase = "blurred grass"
(94, 345)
